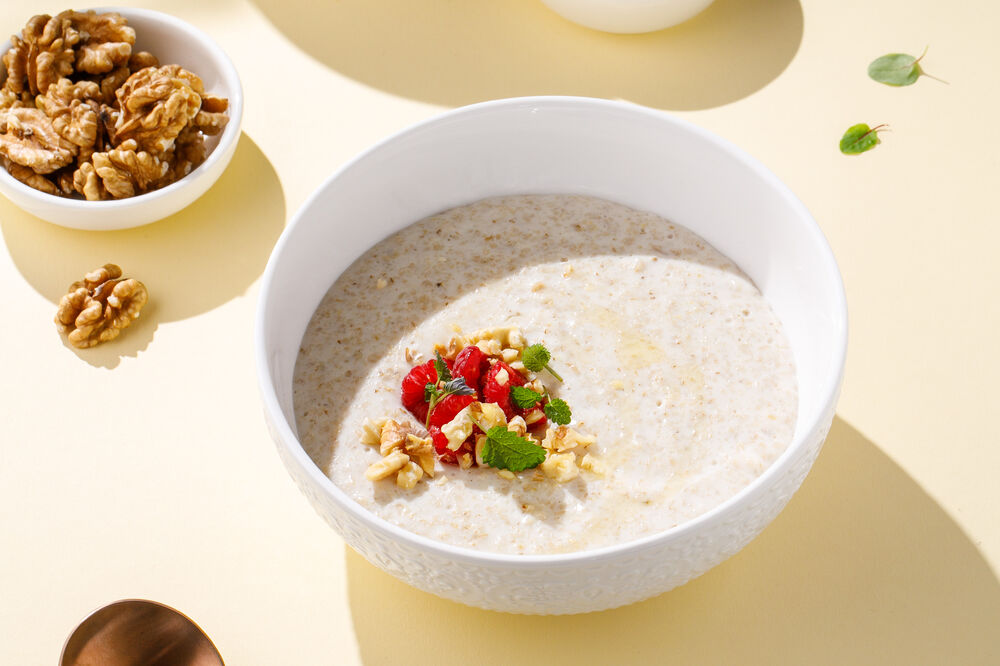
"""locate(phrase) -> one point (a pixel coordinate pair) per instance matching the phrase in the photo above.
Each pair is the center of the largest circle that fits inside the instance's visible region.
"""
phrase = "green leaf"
(430, 390)
(860, 138)
(506, 450)
(535, 357)
(443, 373)
(456, 386)
(558, 411)
(524, 397)
(895, 69)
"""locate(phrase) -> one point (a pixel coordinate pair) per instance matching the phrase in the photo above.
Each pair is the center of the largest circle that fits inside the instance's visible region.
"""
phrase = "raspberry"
(500, 394)
(470, 363)
(413, 389)
(445, 410)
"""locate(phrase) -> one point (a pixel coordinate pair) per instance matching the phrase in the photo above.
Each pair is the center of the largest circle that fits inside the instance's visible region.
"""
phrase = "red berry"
(413, 389)
(471, 363)
(492, 391)
(445, 410)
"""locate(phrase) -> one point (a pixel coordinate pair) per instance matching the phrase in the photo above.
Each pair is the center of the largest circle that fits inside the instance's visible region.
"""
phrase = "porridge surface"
(670, 356)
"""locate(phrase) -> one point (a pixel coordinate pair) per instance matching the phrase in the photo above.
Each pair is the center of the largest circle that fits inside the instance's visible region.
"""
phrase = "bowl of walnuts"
(114, 118)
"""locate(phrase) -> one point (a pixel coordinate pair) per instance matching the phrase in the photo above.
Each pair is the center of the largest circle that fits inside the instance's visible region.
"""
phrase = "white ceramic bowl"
(638, 157)
(627, 16)
(172, 41)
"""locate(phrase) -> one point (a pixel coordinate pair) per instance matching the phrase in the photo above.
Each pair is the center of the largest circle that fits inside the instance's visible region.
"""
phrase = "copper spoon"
(136, 632)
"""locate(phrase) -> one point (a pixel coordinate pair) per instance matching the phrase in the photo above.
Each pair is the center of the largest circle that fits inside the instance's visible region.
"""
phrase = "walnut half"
(97, 308)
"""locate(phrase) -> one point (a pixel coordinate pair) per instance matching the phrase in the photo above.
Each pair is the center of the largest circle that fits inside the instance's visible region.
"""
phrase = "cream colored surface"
(142, 469)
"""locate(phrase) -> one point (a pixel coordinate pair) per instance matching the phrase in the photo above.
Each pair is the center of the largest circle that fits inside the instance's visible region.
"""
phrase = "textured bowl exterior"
(172, 41)
(574, 586)
(617, 151)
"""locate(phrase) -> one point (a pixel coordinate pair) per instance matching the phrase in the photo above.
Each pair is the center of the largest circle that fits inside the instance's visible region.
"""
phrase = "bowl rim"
(229, 135)
(288, 441)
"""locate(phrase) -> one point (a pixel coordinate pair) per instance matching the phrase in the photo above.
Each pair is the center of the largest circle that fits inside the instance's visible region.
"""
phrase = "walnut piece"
(88, 183)
(41, 55)
(105, 41)
(72, 115)
(29, 177)
(28, 138)
(156, 104)
(97, 308)
(127, 171)
(142, 60)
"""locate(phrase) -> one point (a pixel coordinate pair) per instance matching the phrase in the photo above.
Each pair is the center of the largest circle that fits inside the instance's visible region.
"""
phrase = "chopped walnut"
(387, 466)
(490, 347)
(156, 104)
(401, 452)
(413, 357)
(125, 171)
(105, 41)
(509, 355)
(97, 308)
(592, 464)
(518, 425)
(28, 138)
(392, 437)
(409, 475)
(564, 438)
(421, 449)
(371, 432)
(561, 467)
(450, 350)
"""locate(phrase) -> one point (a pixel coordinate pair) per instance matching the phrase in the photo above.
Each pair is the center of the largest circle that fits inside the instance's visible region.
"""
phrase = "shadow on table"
(191, 262)
(455, 53)
(861, 567)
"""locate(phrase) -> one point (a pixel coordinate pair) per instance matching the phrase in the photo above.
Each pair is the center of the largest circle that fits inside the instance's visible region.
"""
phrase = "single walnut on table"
(97, 308)
(82, 115)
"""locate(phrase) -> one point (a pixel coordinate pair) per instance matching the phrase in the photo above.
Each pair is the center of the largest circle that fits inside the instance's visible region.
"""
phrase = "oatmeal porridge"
(675, 367)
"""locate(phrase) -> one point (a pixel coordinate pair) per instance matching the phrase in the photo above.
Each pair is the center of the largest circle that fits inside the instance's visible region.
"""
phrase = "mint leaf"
(443, 373)
(558, 411)
(537, 357)
(506, 450)
(430, 390)
(524, 397)
(895, 69)
(898, 69)
(456, 387)
(860, 138)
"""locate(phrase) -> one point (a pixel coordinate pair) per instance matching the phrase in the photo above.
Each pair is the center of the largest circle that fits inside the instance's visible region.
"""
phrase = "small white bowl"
(172, 41)
(636, 156)
(627, 16)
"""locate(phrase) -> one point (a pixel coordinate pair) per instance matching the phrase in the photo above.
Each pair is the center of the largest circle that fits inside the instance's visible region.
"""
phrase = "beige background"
(143, 469)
